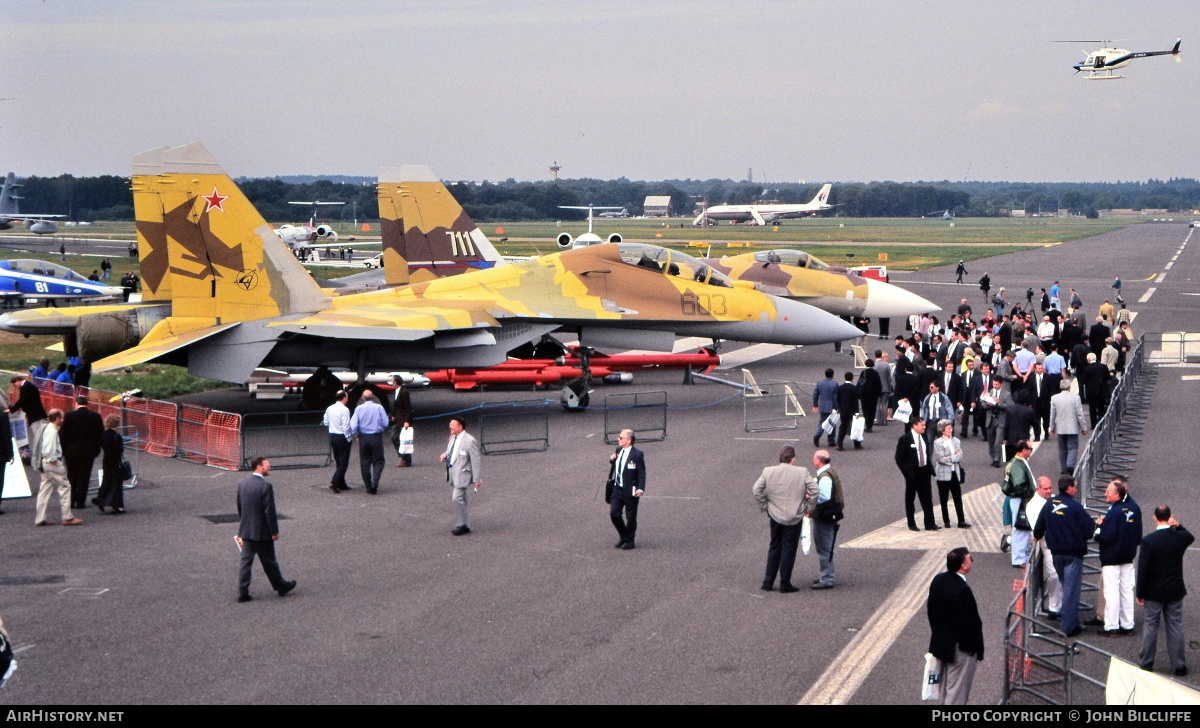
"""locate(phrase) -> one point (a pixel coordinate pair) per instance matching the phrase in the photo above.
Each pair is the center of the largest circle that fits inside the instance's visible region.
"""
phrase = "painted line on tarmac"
(1146, 296)
(671, 497)
(838, 684)
(1169, 265)
(1191, 378)
(1159, 277)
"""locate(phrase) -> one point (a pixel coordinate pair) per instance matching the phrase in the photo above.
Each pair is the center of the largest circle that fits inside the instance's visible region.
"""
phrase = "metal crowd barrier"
(643, 412)
(517, 426)
(774, 405)
(287, 439)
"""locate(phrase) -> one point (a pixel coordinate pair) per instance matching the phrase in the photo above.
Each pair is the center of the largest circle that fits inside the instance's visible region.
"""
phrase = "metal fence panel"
(643, 412)
(291, 439)
(517, 426)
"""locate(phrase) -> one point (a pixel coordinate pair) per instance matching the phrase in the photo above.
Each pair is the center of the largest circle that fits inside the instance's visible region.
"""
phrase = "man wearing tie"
(463, 470)
(912, 457)
(1041, 387)
(629, 482)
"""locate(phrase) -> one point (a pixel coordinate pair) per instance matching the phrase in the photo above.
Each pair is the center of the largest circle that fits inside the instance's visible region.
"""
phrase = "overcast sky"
(488, 89)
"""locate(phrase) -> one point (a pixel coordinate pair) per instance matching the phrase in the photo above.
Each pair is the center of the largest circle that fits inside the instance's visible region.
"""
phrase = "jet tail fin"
(822, 197)
(427, 228)
(8, 201)
(205, 248)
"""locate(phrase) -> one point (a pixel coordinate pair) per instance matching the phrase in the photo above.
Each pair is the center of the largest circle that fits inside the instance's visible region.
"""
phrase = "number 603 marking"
(695, 304)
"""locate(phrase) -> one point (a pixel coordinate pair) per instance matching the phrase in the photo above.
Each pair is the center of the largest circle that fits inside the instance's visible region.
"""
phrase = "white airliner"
(765, 214)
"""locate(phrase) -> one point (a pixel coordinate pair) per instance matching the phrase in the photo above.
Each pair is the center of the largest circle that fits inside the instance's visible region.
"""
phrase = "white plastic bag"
(406, 441)
(858, 427)
(831, 422)
(931, 683)
(903, 411)
(806, 536)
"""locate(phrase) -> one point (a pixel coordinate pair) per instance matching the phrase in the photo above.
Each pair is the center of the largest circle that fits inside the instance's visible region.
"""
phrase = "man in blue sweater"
(1067, 529)
(1119, 535)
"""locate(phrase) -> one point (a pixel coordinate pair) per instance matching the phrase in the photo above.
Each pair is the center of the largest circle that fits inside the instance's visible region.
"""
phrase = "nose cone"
(800, 323)
(885, 300)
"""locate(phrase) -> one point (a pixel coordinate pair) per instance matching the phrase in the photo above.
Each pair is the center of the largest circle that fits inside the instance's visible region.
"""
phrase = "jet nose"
(885, 300)
(800, 323)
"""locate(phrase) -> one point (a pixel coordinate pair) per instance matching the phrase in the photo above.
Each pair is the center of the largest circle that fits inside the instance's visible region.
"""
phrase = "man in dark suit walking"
(1160, 588)
(258, 530)
(628, 473)
(847, 406)
(957, 630)
(912, 457)
(80, 438)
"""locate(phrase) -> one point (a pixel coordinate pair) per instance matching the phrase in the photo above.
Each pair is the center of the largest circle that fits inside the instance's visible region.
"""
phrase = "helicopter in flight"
(1100, 64)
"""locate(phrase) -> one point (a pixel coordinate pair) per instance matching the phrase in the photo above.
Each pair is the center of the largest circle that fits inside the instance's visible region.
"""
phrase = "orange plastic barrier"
(223, 433)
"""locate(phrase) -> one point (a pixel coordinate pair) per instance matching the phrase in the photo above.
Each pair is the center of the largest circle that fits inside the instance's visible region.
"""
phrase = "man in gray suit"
(259, 530)
(463, 469)
(787, 493)
(1067, 421)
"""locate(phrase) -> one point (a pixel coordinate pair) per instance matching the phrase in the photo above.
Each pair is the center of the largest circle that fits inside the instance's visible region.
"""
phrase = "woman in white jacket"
(947, 468)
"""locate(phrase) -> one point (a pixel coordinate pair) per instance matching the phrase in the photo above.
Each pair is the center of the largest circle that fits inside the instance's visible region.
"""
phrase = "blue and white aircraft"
(24, 279)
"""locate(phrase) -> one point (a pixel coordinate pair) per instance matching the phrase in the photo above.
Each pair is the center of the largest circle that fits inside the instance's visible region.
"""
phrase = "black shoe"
(628, 545)
(841, 449)
(787, 589)
(619, 544)
(1125, 630)
(817, 441)
(287, 587)
(1148, 668)
(1110, 633)
(1077, 630)
(245, 598)
(1095, 622)
(372, 491)
(345, 487)
(1054, 616)
(95, 501)
(963, 524)
(858, 446)
(912, 527)
(995, 463)
(460, 530)
(334, 488)
(1181, 671)
(767, 587)
(819, 585)
(934, 527)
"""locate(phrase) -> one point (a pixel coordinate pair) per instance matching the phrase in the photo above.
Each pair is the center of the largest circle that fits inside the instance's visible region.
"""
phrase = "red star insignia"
(214, 200)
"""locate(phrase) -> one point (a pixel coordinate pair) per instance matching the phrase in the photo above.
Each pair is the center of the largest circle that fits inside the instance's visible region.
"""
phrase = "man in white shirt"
(1051, 586)
(337, 419)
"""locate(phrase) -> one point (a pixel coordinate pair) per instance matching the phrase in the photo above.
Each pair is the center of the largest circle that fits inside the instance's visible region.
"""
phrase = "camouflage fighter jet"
(802, 277)
(421, 221)
(238, 299)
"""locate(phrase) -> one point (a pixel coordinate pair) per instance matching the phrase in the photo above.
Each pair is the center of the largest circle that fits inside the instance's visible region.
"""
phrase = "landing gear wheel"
(575, 395)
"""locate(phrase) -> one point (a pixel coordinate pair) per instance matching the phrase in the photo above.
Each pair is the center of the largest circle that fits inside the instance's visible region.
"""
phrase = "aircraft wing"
(167, 336)
(390, 317)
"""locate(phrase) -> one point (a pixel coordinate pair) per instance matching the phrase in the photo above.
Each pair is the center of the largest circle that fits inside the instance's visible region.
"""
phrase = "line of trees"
(108, 197)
